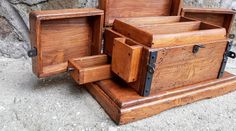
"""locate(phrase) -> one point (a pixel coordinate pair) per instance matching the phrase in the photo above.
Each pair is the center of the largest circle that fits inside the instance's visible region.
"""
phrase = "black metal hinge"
(150, 71)
(33, 52)
(228, 54)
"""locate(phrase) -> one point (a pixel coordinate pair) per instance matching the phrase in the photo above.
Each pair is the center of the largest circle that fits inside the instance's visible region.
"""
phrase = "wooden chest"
(156, 55)
(162, 56)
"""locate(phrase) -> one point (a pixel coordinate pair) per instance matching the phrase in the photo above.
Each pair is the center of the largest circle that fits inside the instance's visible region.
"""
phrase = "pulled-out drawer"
(90, 69)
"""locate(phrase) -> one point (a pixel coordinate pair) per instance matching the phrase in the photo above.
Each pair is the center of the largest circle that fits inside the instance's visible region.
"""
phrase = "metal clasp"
(231, 54)
(33, 52)
(196, 48)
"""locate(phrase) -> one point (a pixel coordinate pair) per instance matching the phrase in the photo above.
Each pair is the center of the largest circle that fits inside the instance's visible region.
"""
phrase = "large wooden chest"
(162, 56)
(159, 53)
(156, 54)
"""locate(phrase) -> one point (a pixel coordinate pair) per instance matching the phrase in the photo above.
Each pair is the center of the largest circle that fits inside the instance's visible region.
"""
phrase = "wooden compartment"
(220, 17)
(161, 34)
(90, 69)
(126, 59)
(142, 23)
(59, 35)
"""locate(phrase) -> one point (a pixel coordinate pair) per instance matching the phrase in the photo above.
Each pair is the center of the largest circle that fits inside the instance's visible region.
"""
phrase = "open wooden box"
(154, 59)
(57, 36)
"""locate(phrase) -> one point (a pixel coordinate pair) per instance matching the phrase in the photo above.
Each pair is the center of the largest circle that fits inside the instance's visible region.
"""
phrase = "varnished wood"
(124, 105)
(178, 38)
(90, 69)
(220, 17)
(126, 58)
(171, 34)
(138, 8)
(186, 68)
(60, 35)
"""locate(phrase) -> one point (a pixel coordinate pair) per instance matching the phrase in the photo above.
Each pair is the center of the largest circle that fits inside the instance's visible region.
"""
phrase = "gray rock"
(5, 29)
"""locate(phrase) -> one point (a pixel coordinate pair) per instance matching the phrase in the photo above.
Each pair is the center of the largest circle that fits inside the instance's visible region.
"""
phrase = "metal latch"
(33, 52)
(230, 54)
(196, 48)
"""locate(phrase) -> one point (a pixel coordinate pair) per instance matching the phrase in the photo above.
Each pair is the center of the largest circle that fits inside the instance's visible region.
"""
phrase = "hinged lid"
(138, 8)
(219, 17)
(60, 35)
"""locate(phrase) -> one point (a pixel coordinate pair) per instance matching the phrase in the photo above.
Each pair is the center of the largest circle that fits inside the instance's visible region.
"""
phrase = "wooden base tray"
(124, 105)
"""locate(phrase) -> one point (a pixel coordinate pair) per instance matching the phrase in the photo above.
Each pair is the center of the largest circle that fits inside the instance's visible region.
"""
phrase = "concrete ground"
(30, 104)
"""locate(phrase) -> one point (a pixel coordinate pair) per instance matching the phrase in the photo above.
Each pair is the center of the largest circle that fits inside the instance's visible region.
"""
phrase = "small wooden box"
(60, 35)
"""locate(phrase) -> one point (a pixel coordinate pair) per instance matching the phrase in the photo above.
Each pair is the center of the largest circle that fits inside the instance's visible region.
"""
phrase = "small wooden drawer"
(90, 69)
(126, 58)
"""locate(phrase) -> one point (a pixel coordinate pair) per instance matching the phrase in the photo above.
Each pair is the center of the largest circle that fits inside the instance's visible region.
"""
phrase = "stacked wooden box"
(157, 55)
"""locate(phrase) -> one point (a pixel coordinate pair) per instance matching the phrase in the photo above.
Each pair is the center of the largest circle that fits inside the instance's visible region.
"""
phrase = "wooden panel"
(142, 21)
(179, 66)
(126, 58)
(75, 40)
(172, 27)
(220, 17)
(138, 8)
(131, 107)
(199, 36)
(90, 69)
(60, 35)
(133, 32)
(109, 38)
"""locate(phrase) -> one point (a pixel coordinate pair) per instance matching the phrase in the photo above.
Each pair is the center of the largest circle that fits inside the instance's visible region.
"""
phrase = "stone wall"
(14, 40)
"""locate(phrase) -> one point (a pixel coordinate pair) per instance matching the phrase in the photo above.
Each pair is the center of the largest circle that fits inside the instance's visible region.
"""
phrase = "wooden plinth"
(124, 105)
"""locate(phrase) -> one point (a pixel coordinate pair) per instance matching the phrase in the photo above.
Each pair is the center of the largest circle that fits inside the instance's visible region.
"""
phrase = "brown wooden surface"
(131, 107)
(138, 8)
(179, 66)
(220, 17)
(126, 58)
(157, 35)
(90, 69)
(60, 35)
(109, 38)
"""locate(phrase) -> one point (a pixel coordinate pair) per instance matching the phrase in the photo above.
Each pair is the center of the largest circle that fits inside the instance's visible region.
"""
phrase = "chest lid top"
(60, 35)
(138, 8)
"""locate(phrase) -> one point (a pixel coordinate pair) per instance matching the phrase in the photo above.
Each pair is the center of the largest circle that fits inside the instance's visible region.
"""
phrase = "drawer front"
(90, 69)
(181, 66)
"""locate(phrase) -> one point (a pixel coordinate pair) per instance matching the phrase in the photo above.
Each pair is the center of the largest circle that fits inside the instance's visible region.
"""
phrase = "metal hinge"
(151, 66)
(33, 52)
(227, 54)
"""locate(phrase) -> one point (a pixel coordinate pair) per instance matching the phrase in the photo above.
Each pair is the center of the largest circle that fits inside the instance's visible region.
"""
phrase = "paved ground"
(29, 104)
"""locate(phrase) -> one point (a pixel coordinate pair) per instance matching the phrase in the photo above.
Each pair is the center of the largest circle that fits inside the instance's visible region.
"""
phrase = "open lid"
(60, 35)
(138, 8)
(215, 16)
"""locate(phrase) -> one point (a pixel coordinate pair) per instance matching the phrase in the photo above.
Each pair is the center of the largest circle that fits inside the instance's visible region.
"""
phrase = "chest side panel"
(179, 66)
